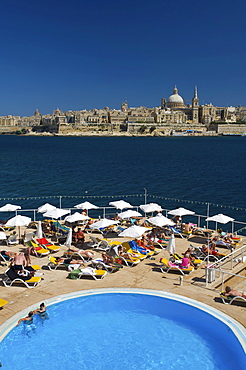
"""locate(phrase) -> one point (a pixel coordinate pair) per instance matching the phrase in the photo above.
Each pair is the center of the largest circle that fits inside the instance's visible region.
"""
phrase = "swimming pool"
(125, 329)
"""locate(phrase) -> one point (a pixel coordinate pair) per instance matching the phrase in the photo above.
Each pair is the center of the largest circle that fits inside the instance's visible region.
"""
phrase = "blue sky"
(81, 55)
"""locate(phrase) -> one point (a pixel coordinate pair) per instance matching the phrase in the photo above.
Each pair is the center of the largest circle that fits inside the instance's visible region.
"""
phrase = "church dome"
(175, 101)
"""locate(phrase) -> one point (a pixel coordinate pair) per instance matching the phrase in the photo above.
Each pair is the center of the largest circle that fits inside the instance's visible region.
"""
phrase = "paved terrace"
(145, 275)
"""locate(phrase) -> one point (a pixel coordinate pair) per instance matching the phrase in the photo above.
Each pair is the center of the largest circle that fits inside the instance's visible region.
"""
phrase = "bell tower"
(195, 107)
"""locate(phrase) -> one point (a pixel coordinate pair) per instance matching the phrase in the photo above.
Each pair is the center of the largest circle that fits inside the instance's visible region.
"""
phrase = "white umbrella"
(160, 221)
(104, 222)
(134, 231)
(86, 205)
(222, 219)
(120, 204)
(45, 208)
(68, 241)
(18, 221)
(151, 207)
(180, 212)
(171, 245)
(39, 232)
(128, 214)
(9, 208)
(56, 213)
(2, 236)
(76, 217)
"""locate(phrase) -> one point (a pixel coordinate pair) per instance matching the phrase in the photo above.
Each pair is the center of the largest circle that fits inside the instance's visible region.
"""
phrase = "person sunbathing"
(82, 252)
(233, 293)
(80, 237)
(210, 250)
(111, 261)
(69, 261)
(8, 255)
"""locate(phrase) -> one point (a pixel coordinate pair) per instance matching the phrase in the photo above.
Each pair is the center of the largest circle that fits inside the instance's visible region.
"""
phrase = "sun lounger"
(176, 232)
(167, 266)
(94, 273)
(230, 299)
(178, 257)
(94, 243)
(12, 239)
(200, 254)
(39, 251)
(12, 277)
(137, 254)
(3, 303)
(44, 243)
(53, 264)
(100, 265)
(130, 261)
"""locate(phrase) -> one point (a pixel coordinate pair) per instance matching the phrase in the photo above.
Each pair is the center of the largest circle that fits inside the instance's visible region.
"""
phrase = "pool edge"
(237, 328)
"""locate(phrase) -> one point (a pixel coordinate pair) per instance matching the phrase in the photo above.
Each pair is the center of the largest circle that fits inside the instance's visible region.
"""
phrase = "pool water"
(123, 331)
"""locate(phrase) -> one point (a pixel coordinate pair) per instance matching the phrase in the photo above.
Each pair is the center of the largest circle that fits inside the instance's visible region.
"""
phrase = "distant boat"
(178, 133)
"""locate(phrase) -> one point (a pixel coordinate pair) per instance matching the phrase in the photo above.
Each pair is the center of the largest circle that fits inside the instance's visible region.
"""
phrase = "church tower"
(195, 107)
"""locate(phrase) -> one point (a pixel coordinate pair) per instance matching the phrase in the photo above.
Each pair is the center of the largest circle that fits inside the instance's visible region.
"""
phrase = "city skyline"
(81, 55)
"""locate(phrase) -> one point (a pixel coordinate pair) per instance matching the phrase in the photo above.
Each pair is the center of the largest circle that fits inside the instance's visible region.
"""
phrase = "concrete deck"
(145, 275)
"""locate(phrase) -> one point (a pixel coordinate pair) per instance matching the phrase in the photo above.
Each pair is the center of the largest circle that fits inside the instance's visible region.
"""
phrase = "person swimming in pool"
(41, 311)
(28, 321)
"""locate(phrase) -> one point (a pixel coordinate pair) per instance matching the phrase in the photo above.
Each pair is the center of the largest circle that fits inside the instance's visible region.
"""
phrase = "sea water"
(123, 331)
(201, 169)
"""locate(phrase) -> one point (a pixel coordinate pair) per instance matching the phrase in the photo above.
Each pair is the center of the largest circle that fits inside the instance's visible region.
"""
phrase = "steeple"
(195, 107)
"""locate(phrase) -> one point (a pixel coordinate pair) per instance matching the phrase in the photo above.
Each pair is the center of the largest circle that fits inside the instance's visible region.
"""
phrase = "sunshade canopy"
(180, 212)
(46, 207)
(86, 205)
(128, 214)
(222, 219)
(134, 231)
(9, 208)
(160, 221)
(76, 217)
(151, 207)
(18, 221)
(120, 204)
(56, 213)
(104, 222)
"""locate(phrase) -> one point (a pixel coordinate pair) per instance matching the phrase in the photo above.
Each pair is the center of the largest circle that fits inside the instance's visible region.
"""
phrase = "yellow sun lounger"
(39, 251)
(169, 266)
(230, 299)
(43, 242)
(3, 303)
(12, 277)
(89, 271)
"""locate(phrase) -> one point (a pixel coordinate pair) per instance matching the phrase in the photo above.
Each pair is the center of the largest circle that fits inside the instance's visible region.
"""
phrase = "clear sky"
(90, 54)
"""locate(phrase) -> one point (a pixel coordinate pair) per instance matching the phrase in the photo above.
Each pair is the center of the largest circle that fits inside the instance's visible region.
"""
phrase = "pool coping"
(238, 329)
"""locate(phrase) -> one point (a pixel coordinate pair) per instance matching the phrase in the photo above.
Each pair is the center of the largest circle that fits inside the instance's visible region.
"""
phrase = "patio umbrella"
(171, 248)
(151, 207)
(56, 213)
(18, 221)
(86, 205)
(9, 208)
(120, 204)
(76, 217)
(68, 241)
(222, 219)
(45, 208)
(180, 212)
(104, 222)
(128, 214)
(160, 221)
(39, 232)
(134, 231)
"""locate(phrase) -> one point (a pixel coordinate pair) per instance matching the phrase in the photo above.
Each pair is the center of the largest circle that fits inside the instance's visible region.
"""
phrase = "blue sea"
(175, 171)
